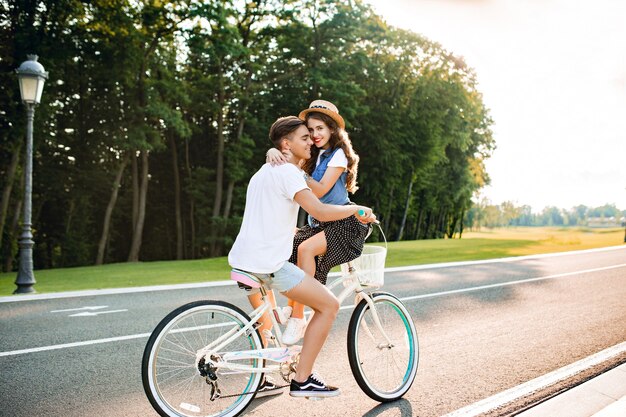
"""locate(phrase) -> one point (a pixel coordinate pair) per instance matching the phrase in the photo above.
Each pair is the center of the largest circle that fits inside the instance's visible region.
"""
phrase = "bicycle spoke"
(384, 368)
(176, 342)
(179, 352)
(173, 382)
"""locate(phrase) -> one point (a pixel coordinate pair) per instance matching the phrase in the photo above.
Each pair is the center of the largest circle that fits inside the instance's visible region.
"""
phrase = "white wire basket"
(370, 266)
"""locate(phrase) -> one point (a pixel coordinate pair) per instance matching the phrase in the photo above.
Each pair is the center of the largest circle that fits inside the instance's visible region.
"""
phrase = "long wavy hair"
(338, 139)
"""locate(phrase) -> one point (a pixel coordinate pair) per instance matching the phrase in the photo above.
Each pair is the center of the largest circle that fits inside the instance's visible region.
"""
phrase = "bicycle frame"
(281, 353)
(352, 284)
(278, 354)
(231, 354)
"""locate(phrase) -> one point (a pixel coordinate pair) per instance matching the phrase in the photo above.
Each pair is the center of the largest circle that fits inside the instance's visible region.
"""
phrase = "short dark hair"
(283, 126)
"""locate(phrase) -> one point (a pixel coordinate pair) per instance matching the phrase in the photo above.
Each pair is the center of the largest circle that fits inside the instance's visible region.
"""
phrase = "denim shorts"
(282, 280)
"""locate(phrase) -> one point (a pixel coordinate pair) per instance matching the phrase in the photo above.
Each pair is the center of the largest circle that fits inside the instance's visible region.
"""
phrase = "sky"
(553, 74)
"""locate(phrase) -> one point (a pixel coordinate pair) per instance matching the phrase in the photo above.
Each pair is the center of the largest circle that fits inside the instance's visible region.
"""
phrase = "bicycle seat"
(245, 278)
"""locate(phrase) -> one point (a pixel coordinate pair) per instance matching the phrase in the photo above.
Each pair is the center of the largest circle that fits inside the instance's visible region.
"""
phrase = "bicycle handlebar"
(361, 213)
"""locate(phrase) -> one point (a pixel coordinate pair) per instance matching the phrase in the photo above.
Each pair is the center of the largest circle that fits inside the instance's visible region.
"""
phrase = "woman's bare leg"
(325, 305)
(266, 322)
(307, 251)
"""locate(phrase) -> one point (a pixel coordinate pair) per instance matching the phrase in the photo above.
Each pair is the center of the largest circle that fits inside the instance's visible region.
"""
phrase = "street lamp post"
(32, 76)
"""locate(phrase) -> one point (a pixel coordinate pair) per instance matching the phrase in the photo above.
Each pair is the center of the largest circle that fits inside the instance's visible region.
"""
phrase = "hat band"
(322, 107)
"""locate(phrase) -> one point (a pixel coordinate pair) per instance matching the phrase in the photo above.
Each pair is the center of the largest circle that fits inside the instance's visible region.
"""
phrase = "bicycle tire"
(170, 374)
(384, 373)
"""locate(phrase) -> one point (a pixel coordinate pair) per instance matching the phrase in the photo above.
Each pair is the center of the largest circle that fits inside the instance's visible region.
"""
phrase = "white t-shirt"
(265, 240)
(338, 160)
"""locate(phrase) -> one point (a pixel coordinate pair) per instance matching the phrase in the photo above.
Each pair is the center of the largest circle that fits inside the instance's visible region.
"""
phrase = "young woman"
(332, 169)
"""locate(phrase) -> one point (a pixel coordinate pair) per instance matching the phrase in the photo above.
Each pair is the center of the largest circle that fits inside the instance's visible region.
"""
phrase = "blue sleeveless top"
(337, 195)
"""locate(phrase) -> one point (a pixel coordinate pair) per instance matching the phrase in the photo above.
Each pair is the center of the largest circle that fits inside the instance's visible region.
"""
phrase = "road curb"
(528, 388)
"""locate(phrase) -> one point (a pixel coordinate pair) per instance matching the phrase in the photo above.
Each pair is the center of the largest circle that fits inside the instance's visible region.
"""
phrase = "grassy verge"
(486, 244)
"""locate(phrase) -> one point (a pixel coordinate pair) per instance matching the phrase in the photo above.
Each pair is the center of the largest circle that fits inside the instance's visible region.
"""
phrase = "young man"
(264, 244)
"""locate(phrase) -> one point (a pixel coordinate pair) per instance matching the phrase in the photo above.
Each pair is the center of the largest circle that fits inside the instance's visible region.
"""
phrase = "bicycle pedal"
(269, 336)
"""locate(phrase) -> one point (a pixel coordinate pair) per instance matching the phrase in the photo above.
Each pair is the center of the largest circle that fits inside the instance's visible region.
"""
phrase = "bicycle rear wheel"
(384, 371)
(170, 374)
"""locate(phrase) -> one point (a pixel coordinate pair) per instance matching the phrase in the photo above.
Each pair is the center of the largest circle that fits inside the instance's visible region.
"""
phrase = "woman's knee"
(313, 246)
(305, 249)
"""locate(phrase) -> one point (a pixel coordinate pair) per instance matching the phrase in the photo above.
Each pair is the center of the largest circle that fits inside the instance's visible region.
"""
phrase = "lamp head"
(32, 77)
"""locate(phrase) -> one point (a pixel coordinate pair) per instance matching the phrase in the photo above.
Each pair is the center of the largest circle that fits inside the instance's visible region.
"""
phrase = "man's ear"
(285, 144)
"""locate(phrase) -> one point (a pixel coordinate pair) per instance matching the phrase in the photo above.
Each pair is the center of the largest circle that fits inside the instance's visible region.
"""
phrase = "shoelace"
(318, 378)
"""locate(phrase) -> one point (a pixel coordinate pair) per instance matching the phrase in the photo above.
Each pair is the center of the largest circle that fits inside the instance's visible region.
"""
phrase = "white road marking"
(537, 384)
(70, 294)
(88, 313)
(410, 298)
(78, 309)
(501, 260)
(75, 344)
(504, 284)
(190, 407)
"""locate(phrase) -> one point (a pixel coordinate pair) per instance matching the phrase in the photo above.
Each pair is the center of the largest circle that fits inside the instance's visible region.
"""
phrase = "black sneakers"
(314, 386)
(268, 388)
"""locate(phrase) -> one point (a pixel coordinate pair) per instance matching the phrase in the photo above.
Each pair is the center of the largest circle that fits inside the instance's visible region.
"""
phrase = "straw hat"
(326, 107)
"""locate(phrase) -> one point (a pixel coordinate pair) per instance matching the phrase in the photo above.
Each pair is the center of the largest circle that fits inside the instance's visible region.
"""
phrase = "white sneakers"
(282, 314)
(295, 327)
(294, 330)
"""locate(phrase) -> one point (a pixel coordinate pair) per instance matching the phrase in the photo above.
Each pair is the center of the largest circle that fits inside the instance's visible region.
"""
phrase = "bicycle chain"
(284, 373)
(251, 392)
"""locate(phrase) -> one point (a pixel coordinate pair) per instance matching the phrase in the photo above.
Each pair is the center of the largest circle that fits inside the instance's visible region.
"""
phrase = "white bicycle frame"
(281, 353)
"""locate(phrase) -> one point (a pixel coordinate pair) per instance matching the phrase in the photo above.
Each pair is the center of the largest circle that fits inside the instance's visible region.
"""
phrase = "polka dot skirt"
(344, 239)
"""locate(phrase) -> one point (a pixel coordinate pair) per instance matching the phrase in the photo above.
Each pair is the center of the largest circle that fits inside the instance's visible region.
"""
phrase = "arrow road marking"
(87, 313)
(78, 309)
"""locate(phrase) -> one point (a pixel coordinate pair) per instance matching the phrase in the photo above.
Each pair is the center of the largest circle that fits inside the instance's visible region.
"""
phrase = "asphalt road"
(483, 328)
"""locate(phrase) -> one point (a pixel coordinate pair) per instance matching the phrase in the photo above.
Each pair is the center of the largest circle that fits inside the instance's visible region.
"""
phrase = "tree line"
(156, 114)
(485, 214)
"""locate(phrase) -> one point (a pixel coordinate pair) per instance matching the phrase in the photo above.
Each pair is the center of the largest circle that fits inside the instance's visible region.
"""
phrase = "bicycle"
(206, 358)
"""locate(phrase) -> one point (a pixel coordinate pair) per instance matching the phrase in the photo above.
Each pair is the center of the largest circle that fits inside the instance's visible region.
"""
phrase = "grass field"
(485, 244)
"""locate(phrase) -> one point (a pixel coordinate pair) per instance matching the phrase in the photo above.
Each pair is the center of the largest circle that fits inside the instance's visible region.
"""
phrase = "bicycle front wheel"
(170, 374)
(384, 367)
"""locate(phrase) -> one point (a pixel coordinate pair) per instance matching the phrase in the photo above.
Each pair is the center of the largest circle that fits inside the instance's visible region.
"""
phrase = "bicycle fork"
(374, 313)
(354, 286)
